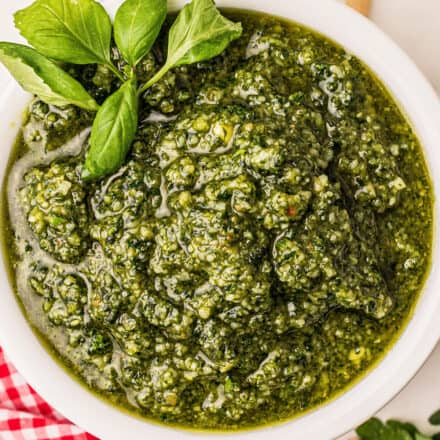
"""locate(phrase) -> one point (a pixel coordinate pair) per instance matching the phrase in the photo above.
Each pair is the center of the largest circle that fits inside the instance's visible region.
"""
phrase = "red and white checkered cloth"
(24, 415)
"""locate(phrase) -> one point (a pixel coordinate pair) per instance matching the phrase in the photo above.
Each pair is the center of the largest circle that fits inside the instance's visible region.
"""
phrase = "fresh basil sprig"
(199, 33)
(40, 76)
(79, 32)
(137, 25)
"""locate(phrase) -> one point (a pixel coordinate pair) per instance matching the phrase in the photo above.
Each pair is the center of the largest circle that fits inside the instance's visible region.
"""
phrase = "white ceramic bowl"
(361, 37)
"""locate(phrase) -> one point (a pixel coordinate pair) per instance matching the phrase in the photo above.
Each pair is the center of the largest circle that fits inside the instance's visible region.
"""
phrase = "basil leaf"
(434, 419)
(199, 33)
(113, 132)
(374, 429)
(44, 78)
(409, 428)
(137, 25)
(74, 31)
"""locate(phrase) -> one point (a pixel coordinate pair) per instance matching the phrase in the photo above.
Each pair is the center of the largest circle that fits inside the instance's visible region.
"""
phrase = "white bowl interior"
(422, 107)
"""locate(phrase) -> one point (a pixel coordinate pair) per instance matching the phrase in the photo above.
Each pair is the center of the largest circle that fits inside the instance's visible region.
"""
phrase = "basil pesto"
(260, 248)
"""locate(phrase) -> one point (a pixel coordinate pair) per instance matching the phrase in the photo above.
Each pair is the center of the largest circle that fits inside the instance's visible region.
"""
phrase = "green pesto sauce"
(261, 248)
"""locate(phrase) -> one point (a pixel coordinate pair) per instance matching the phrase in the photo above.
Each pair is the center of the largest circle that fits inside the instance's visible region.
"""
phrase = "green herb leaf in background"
(435, 418)
(137, 25)
(113, 132)
(74, 31)
(409, 428)
(199, 33)
(40, 76)
(374, 429)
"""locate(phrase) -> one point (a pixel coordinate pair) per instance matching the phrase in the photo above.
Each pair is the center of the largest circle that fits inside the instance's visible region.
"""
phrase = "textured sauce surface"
(260, 249)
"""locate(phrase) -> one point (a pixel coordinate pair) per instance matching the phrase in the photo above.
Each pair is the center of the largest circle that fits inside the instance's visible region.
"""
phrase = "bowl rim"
(337, 416)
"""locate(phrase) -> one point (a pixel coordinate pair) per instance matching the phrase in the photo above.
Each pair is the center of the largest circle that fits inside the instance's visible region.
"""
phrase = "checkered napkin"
(24, 415)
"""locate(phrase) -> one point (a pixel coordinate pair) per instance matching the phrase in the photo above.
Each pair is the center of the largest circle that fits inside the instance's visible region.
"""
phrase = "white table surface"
(415, 26)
